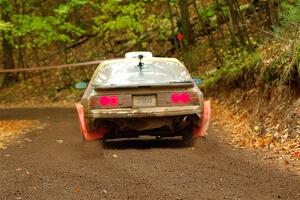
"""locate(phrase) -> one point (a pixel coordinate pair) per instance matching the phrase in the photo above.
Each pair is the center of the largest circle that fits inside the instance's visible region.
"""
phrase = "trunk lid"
(145, 96)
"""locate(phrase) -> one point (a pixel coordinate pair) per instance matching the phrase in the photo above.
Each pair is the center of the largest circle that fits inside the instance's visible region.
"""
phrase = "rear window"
(153, 73)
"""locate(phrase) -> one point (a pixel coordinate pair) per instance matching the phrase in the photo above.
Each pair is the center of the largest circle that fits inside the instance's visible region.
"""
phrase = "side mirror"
(197, 81)
(81, 85)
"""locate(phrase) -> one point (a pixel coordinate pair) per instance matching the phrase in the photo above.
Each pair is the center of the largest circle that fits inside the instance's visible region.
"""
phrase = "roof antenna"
(141, 64)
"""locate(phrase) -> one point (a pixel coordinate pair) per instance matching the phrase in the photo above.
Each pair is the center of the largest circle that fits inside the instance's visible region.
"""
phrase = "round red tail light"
(175, 98)
(114, 100)
(185, 97)
(180, 98)
(104, 101)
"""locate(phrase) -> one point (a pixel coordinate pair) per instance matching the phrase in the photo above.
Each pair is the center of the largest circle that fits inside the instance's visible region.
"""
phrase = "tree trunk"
(19, 40)
(209, 36)
(67, 72)
(230, 28)
(218, 9)
(185, 20)
(172, 26)
(8, 57)
(37, 60)
(272, 14)
(21, 63)
(235, 20)
(242, 27)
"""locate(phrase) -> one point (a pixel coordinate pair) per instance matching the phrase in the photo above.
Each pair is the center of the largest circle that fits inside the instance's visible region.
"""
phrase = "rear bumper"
(144, 112)
(93, 135)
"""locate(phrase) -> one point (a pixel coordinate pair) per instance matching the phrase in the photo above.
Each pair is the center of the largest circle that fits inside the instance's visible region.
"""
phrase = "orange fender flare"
(202, 131)
(88, 135)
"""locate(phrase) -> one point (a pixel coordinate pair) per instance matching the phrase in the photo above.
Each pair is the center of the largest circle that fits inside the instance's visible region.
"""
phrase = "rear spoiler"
(182, 85)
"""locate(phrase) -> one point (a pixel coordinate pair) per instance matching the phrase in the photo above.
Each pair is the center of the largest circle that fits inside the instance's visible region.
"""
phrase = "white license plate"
(144, 101)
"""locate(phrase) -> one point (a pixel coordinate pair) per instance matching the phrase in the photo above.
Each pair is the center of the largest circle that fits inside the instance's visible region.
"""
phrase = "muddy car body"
(134, 96)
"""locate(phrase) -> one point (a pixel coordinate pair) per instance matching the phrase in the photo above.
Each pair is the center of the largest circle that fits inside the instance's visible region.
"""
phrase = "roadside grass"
(273, 64)
(239, 70)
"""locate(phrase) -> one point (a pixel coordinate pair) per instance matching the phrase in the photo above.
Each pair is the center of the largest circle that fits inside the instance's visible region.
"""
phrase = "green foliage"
(5, 26)
(208, 11)
(64, 10)
(42, 30)
(5, 6)
(39, 30)
(284, 69)
(240, 69)
(39, 26)
(289, 18)
(290, 12)
(117, 16)
(192, 58)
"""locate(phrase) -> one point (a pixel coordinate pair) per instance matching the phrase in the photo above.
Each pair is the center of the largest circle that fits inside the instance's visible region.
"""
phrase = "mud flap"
(203, 129)
(88, 135)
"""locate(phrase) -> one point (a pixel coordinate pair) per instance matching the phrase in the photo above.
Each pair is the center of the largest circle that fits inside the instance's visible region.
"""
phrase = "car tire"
(187, 137)
(104, 142)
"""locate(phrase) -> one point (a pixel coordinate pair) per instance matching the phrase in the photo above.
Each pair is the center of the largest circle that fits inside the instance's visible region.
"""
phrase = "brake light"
(114, 101)
(185, 97)
(109, 101)
(104, 101)
(180, 98)
(175, 98)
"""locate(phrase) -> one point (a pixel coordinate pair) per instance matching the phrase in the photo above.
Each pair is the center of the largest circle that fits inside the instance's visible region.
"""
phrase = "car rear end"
(145, 107)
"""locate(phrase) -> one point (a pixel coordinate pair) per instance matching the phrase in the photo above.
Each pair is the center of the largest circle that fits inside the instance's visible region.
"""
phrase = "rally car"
(143, 95)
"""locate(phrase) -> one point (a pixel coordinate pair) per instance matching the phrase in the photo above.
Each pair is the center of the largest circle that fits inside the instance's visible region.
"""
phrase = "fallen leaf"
(104, 191)
(261, 142)
(60, 141)
(77, 189)
(296, 154)
(27, 139)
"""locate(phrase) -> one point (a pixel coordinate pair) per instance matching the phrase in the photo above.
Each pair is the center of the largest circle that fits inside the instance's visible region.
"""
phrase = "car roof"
(158, 59)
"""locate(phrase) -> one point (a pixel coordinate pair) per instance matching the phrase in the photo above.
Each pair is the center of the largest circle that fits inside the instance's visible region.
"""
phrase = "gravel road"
(132, 169)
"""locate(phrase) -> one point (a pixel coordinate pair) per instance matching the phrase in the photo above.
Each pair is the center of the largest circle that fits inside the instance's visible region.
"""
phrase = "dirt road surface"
(132, 169)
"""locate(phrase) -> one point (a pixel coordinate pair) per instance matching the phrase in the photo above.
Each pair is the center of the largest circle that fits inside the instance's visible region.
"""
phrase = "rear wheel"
(187, 137)
(103, 142)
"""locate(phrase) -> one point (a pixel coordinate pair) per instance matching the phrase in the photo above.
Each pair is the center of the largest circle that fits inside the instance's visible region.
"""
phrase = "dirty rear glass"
(152, 73)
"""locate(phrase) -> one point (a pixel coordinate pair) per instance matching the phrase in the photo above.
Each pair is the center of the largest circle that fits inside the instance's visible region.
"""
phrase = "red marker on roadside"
(179, 36)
